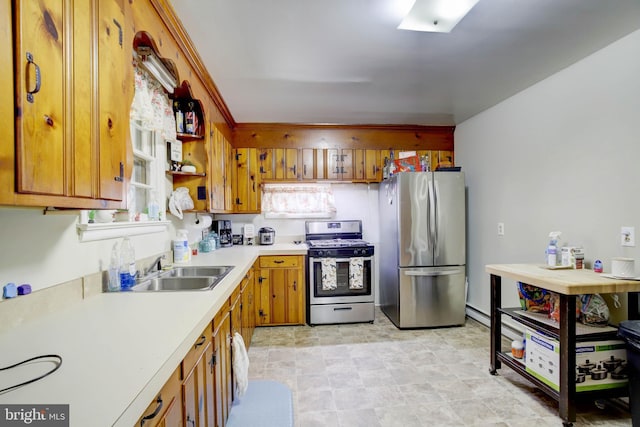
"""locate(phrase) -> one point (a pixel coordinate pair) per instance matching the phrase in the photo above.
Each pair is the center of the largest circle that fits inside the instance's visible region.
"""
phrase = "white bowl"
(623, 267)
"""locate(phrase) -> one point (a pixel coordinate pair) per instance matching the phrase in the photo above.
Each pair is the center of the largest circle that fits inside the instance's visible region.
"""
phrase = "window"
(152, 124)
(298, 201)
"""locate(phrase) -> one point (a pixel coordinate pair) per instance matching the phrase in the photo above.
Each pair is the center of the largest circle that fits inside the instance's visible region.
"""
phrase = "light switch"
(628, 236)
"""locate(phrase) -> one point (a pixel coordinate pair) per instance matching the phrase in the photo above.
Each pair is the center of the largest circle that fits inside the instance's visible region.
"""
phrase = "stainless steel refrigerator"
(422, 254)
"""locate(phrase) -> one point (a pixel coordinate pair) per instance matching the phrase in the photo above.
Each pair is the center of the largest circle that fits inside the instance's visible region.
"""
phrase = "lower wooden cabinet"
(166, 408)
(197, 384)
(281, 290)
(199, 393)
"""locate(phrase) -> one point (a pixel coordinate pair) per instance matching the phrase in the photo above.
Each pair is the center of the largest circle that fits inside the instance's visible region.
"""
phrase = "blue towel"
(266, 403)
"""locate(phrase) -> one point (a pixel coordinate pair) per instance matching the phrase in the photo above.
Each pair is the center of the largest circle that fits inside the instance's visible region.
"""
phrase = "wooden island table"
(569, 284)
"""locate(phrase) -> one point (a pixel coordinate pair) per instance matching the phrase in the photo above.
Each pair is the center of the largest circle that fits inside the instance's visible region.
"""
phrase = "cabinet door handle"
(295, 285)
(278, 261)
(294, 169)
(48, 120)
(38, 79)
(199, 343)
(155, 412)
(119, 31)
(121, 177)
(304, 170)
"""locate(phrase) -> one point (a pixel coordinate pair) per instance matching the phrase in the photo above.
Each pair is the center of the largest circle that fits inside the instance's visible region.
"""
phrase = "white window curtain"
(298, 201)
(151, 106)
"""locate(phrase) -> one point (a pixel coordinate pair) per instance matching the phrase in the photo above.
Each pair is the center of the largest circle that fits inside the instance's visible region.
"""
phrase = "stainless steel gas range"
(340, 273)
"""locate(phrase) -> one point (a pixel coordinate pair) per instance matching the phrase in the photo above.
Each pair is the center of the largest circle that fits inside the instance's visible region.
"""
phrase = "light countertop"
(564, 281)
(119, 349)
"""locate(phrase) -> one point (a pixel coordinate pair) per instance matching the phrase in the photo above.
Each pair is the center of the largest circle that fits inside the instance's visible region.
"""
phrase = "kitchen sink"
(215, 271)
(183, 279)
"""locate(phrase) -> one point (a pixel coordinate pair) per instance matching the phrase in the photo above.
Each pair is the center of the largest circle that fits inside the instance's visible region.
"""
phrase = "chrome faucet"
(156, 265)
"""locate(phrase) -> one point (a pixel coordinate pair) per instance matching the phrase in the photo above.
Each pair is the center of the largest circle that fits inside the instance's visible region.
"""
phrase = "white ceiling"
(344, 61)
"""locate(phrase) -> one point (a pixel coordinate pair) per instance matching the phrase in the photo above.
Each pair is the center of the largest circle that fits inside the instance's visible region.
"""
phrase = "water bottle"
(114, 269)
(127, 265)
(153, 208)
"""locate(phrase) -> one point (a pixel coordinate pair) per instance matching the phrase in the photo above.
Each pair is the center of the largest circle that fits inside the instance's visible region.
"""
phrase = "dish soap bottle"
(114, 269)
(127, 265)
(552, 249)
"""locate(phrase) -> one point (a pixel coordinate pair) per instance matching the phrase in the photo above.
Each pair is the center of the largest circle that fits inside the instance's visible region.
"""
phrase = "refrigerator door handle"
(432, 273)
(436, 213)
(431, 215)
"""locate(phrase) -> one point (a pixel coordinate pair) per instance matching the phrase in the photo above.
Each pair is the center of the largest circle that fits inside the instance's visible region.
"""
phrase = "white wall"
(560, 155)
(353, 201)
(44, 250)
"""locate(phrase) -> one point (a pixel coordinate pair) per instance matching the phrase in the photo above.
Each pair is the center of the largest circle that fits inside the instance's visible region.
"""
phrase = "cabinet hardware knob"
(38, 79)
(278, 261)
(48, 120)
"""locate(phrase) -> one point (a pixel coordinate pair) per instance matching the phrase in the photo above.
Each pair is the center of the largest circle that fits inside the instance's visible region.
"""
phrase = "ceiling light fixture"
(438, 16)
(159, 71)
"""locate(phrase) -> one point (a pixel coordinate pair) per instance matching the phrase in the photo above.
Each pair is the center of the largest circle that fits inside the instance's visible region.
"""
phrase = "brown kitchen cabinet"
(248, 307)
(281, 290)
(340, 164)
(367, 165)
(223, 376)
(246, 179)
(265, 163)
(166, 408)
(314, 164)
(76, 97)
(198, 383)
(285, 164)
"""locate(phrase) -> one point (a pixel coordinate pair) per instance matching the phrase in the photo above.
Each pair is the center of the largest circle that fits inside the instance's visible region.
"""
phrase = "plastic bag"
(533, 298)
(554, 311)
(180, 200)
(594, 310)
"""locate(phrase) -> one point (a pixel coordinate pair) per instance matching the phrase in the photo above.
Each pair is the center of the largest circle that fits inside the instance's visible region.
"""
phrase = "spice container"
(517, 349)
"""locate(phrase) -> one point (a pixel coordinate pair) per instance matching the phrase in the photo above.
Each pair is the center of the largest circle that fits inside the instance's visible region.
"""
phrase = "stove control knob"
(320, 253)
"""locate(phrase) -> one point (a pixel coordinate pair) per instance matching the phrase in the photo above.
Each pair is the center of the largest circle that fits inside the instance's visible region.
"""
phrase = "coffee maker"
(223, 228)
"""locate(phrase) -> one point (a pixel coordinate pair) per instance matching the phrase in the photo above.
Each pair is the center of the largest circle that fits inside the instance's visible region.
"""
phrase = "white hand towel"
(329, 279)
(356, 265)
(240, 365)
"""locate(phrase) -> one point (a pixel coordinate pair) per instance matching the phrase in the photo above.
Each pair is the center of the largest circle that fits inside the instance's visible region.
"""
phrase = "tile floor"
(373, 375)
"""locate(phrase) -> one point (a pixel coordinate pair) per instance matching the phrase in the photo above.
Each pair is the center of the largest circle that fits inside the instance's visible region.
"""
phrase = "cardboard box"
(542, 360)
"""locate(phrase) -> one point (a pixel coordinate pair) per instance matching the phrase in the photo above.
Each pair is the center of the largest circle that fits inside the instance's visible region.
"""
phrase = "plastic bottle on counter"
(153, 207)
(127, 265)
(552, 249)
(181, 249)
(114, 269)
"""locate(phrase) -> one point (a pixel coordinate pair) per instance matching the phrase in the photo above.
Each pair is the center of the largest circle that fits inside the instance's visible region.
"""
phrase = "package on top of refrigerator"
(599, 364)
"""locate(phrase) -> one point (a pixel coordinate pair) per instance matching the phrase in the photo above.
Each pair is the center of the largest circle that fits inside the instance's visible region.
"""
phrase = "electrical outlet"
(628, 236)
(501, 229)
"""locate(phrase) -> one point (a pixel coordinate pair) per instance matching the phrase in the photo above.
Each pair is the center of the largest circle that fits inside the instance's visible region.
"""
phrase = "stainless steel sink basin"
(175, 284)
(215, 271)
(183, 279)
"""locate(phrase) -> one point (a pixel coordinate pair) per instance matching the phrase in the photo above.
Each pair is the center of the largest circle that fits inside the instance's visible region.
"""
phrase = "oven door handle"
(319, 259)
(432, 273)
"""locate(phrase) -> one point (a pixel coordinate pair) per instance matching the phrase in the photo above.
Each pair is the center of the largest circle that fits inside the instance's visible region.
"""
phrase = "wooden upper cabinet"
(265, 163)
(340, 164)
(314, 164)
(247, 180)
(41, 85)
(286, 164)
(113, 94)
(366, 165)
(72, 103)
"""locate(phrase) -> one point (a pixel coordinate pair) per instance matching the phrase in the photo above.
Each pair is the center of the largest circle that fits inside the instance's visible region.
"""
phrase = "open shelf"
(541, 322)
(179, 173)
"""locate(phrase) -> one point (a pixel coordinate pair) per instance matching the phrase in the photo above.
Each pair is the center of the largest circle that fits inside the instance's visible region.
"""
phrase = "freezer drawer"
(341, 313)
(431, 296)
